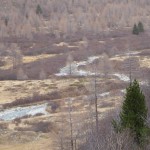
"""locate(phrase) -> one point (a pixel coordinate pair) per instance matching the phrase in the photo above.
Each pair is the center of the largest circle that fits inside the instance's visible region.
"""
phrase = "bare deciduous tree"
(21, 74)
(132, 65)
(69, 17)
(69, 64)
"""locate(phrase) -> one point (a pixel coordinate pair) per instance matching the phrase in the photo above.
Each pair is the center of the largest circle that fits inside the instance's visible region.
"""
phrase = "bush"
(39, 10)
(2, 63)
(3, 126)
(6, 21)
(140, 27)
(54, 106)
(17, 121)
(44, 127)
(135, 30)
(34, 99)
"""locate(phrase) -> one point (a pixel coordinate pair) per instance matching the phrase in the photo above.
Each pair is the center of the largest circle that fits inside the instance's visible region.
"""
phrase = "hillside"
(62, 18)
(57, 58)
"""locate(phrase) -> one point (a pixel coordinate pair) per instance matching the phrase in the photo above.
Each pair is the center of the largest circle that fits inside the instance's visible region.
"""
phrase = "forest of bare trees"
(63, 17)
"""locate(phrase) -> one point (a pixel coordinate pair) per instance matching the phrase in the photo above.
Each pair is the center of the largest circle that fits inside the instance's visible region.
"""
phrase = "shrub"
(2, 63)
(54, 106)
(39, 10)
(17, 121)
(34, 99)
(135, 30)
(140, 27)
(41, 126)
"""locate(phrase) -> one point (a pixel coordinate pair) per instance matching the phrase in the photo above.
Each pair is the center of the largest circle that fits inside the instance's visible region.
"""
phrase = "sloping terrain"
(35, 108)
(55, 56)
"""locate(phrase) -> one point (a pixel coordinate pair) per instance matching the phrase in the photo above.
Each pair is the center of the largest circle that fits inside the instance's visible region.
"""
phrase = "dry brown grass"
(11, 90)
(46, 141)
(145, 62)
(26, 59)
(39, 144)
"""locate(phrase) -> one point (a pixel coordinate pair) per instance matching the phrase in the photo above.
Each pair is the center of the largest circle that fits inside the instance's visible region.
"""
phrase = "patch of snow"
(133, 53)
(101, 42)
(81, 63)
(74, 68)
(146, 83)
(19, 112)
(71, 46)
(122, 77)
(89, 61)
(123, 90)
(82, 42)
(92, 59)
(104, 94)
(61, 44)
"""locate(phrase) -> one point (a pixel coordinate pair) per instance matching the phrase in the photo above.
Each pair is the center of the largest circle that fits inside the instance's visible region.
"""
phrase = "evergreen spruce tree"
(134, 113)
(38, 10)
(6, 21)
(135, 30)
(140, 27)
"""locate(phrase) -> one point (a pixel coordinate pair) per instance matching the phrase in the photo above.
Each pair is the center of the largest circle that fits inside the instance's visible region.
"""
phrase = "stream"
(13, 113)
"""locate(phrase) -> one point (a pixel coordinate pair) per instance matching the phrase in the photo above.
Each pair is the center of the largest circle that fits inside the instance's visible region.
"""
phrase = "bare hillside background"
(63, 17)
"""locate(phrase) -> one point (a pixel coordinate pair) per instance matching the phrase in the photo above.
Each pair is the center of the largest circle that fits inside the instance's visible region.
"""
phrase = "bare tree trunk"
(130, 68)
(75, 144)
(71, 126)
(70, 69)
(95, 93)
(69, 63)
(61, 140)
(133, 66)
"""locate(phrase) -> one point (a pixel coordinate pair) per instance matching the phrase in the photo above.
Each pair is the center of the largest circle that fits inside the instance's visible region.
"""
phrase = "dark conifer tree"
(140, 27)
(134, 113)
(135, 30)
(39, 10)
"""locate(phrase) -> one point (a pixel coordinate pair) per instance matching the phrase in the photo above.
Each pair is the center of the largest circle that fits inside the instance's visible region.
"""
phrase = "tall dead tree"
(93, 88)
(42, 73)
(16, 55)
(61, 135)
(71, 123)
(69, 64)
(21, 75)
(100, 68)
(96, 97)
(132, 65)
(105, 66)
